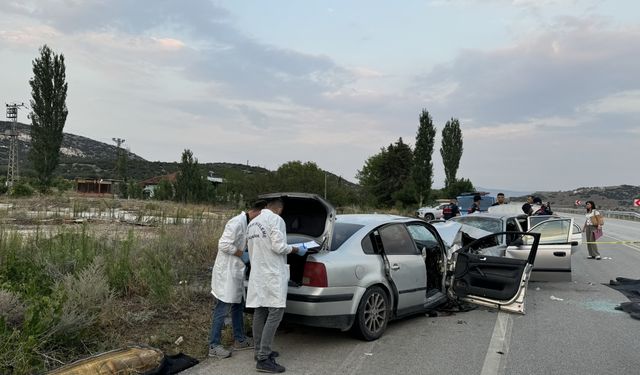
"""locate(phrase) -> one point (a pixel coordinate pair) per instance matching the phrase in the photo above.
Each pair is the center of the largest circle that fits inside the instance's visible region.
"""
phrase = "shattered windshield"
(488, 224)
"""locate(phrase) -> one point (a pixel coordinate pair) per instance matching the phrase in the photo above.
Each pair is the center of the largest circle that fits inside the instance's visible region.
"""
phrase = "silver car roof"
(371, 219)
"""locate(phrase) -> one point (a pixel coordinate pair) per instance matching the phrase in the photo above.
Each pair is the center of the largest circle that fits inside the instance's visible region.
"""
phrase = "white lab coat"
(227, 276)
(268, 249)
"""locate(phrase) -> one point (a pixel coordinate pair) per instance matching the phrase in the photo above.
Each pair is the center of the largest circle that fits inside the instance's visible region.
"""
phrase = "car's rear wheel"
(373, 314)
(429, 217)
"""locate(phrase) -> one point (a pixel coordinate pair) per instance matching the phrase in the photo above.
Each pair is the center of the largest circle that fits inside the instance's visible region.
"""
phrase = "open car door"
(576, 236)
(492, 280)
(553, 262)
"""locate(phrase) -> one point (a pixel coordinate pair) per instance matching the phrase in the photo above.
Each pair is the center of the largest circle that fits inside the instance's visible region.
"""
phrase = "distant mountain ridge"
(87, 158)
(619, 198)
(82, 157)
(507, 193)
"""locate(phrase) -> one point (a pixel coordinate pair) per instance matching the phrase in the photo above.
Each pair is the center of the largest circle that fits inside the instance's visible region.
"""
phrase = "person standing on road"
(499, 200)
(227, 283)
(527, 208)
(451, 210)
(540, 208)
(591, 224)
(475, 207)
(269, 280)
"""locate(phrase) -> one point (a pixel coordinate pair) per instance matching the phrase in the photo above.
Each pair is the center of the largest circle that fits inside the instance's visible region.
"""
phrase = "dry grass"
(12, 310)
(111, 283)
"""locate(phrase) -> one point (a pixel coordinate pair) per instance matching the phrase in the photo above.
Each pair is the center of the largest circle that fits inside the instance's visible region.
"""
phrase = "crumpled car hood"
(451, 234)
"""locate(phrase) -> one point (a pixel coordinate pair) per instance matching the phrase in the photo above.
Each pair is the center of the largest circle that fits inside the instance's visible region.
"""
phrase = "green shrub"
(21, 190)
(62, 184)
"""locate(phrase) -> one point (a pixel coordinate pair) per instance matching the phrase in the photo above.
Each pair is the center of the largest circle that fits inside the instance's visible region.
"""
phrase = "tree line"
(400, 176)
(397, 176)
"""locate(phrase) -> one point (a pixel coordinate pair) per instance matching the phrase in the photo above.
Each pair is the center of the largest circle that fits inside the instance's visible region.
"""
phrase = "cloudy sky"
(547, 91)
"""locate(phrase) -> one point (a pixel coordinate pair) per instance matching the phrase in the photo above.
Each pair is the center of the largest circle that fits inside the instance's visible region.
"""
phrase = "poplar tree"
(422, 172)
(451, 150)
(48, 113)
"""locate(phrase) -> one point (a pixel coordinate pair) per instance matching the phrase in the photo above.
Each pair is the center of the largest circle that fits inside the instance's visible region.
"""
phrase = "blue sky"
(547, 91)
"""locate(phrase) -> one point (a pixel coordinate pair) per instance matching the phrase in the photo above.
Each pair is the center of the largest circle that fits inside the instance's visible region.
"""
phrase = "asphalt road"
(569, 328)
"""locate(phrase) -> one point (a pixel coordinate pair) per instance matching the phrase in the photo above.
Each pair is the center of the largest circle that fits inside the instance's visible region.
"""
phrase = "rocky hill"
(618, 198)
(82, 157)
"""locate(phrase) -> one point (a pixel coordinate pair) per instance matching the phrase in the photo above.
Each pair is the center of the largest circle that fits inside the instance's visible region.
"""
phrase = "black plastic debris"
(631, 289)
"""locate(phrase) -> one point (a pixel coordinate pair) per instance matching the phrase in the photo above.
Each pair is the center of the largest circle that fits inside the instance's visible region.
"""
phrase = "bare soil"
(189, 320)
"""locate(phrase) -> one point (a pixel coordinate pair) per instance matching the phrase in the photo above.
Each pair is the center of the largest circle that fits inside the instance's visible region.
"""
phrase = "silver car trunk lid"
(308, 217)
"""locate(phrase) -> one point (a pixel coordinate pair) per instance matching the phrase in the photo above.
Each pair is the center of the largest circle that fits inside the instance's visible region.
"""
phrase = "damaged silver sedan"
(369, 269)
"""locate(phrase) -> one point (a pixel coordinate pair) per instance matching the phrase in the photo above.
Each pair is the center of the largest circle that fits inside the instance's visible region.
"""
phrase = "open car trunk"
(308, 218)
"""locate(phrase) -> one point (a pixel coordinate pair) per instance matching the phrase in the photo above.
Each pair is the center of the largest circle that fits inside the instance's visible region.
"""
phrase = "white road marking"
(496, 359)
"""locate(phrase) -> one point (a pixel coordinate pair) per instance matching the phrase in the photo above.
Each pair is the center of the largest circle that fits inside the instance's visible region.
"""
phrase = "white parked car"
(431, 213)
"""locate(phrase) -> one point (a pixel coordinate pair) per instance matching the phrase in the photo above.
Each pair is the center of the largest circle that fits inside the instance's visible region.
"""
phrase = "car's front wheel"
(373, 314)
(429, 217)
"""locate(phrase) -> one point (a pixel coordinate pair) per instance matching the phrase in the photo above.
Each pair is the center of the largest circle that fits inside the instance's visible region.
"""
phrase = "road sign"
(636, 202)
(578, 202)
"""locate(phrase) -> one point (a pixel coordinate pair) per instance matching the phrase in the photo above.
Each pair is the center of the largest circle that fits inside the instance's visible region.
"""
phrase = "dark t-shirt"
(449, 211)
(544, 210)
(473, 209)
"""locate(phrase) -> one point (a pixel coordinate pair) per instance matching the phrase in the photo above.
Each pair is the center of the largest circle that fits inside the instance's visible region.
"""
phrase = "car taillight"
(315, 274)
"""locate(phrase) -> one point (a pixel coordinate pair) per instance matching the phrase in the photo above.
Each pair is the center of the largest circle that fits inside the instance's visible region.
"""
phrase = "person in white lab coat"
(227, 283)
(268, 281)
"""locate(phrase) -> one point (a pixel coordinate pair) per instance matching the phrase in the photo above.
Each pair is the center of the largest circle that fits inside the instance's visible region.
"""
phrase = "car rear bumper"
(323, 307)
(342, 322)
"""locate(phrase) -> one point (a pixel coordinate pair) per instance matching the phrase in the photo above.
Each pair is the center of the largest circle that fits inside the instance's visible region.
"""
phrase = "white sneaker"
(219, 351)
(598, 257)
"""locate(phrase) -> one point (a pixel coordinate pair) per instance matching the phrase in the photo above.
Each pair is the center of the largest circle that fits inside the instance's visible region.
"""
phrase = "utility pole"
(325, 185)
(119, 167)
(12, 169)
(118, 141)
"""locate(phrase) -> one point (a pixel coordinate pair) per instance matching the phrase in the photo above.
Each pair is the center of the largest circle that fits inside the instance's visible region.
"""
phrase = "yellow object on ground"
(127, 361)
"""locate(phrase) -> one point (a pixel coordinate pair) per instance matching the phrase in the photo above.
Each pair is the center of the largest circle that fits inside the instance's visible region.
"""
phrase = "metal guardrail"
(624, 215)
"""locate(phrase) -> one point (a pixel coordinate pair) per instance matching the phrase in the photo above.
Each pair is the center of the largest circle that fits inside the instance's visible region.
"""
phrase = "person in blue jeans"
(227, 286)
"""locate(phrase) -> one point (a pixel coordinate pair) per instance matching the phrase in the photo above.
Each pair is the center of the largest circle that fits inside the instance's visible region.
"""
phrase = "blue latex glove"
(245, 256)
(302, 249)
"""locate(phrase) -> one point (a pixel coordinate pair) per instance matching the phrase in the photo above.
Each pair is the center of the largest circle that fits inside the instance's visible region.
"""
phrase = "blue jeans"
(220, 311)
